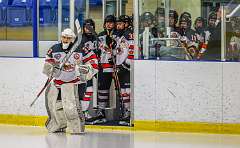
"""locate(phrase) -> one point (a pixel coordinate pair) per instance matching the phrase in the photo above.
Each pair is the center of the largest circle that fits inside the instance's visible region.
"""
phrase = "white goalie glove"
(51, 70)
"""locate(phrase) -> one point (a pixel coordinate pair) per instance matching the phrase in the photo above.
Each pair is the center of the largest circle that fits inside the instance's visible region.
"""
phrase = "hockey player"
(160, 22)
(202, 34)
(188, 35)
(147, 20)
(233, 53)
(89, 42)
(106, 48)
(125, 51)
(62, 95)
(214, 45)
(173, 19)
(147, 31)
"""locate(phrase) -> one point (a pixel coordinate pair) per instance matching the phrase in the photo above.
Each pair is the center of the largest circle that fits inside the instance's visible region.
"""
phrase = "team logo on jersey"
(76, 56)
(49, 51)
(57, 56)
(130, 36)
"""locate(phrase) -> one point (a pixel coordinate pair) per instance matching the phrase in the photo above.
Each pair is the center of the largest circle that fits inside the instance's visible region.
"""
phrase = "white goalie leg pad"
(72, 108)
(56, 117)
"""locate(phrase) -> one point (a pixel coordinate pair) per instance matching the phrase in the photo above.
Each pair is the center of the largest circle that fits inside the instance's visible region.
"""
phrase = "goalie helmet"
(68, 33)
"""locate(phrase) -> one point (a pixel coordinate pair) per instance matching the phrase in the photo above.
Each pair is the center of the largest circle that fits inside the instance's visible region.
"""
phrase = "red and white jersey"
(55, 56)
(106, 52)
(130, 41)
(121, 50)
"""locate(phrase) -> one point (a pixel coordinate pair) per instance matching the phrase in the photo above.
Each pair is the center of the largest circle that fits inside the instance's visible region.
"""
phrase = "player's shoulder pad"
(56, 47)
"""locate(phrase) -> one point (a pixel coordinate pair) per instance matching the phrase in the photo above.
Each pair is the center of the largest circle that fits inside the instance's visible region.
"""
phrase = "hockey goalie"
(63, 94)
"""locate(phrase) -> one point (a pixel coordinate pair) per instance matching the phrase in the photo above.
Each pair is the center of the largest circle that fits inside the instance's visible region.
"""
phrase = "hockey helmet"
(200, 19)
(110, 18)
(187, 19)
(68, 33)
(212, 15)
(147, 16)
(186, 14)
(89, 22)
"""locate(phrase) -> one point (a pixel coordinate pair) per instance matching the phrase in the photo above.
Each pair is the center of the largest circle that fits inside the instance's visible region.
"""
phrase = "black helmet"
(124, 18)
(147, 16)
(121, 19)
(200, 19)
(186, 19)
(89, 22)
(110, 18)
(212, 15)
(174, 14)
(160, 12)
(186, 14)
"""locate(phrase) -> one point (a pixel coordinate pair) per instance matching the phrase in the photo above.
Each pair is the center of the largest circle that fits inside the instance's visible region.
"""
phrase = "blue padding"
(23, 3)
(95, 2)
(3, 5)
(47, 16)
(19, 13)
(47, 12)
(79, 4)
(65, 15)
(18, 16)
(48, 3)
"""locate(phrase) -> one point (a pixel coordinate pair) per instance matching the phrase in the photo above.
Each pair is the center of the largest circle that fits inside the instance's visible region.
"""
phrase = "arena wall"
(167, 95)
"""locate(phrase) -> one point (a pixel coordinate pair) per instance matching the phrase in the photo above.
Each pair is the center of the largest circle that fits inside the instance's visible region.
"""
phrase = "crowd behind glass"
(185, 38)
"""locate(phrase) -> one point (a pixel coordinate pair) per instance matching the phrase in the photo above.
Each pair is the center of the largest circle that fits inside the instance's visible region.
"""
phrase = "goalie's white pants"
(64, 113)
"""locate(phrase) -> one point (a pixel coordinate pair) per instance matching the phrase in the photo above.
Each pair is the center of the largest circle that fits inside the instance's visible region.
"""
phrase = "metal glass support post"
(35, 28)
(117, 9)
(104, 3)
(136, 56)
(120, 7)
(223, 33)
(71, 17)
(136, 28)
(59, 19)
(167, 8)
(87, 9)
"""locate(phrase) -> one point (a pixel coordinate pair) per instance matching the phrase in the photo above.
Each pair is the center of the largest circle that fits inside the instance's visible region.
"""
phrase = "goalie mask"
(67, 38)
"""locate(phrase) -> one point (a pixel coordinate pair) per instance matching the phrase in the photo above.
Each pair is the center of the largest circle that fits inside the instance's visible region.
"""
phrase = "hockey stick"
(76, 42)
(116, 78)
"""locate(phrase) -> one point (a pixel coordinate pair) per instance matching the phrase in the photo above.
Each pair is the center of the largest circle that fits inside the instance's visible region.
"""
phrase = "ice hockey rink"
(28, 137)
